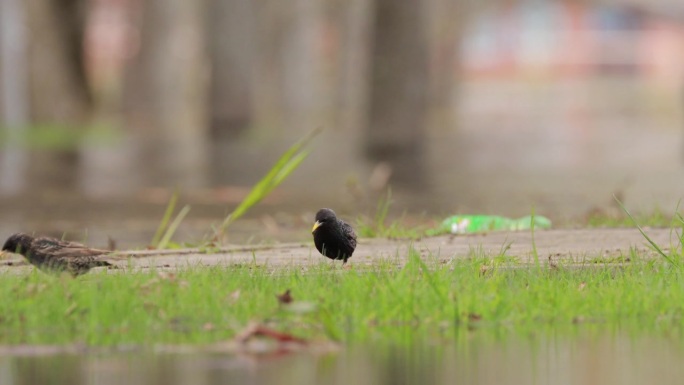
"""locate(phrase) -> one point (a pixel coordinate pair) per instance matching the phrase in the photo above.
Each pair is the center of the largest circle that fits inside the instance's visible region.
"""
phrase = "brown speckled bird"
(54, 256)
(333, 237)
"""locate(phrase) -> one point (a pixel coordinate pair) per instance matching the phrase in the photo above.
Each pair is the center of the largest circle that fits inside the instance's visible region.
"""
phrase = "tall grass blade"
(657, 248)
(289, 168)
(165, 220)
(535, 254)
(173, 227)
(285, 165)
(679, 217)
(382, 211)
(414, 256)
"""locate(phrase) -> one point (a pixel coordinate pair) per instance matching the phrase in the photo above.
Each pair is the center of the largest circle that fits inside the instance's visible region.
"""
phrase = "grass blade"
(657, 248)
(381, 213)
(172, 227)
(165, 220)
(535, 254)
(285, 165)
(289, 168)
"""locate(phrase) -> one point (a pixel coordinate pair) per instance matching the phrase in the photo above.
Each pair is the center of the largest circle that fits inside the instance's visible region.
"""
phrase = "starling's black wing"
(349, 234)
(59, 249)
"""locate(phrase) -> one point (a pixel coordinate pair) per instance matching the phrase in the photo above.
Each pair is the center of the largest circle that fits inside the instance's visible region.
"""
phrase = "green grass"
(424, 299)
(401, 228)
(654, 218)
(166, 228)
(59, 137)
(288, 162)
(380, 227)
(291, 159)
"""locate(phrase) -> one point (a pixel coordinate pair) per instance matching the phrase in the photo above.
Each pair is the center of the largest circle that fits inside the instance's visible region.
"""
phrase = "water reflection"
(591, 358)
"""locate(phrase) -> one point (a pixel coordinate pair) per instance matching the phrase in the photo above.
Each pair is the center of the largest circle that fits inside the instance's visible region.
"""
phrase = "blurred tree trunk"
(58, 86)
(288, 64)
(231, 45)
(301, 64)
(165, 93)
(353, 20)
(446, 28)
(13, 94)
(268, 38)
(399, 88)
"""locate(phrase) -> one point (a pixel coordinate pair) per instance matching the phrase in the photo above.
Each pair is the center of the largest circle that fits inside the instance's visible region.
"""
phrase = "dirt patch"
(574, 246)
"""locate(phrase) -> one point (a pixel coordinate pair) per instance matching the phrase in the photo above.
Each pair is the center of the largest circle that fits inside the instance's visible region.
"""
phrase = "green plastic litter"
(464, 224)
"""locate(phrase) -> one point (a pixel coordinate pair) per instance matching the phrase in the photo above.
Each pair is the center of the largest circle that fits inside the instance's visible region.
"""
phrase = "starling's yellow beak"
(315, 226)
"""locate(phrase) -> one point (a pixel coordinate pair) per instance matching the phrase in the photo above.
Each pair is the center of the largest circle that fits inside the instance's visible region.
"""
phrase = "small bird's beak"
(315, 226)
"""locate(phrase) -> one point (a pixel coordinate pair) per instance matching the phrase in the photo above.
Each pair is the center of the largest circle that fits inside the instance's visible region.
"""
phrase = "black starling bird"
(55, 256)
(333, 237)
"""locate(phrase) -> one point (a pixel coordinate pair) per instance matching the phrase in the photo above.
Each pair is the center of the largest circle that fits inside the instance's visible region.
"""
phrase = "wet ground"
(579, 355)
(584, 353)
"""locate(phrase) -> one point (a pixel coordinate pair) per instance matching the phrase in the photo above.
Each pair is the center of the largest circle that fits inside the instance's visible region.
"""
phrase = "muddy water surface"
(585, 358)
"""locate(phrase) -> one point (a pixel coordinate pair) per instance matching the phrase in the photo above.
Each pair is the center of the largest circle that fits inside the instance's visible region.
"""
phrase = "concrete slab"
(569, 245)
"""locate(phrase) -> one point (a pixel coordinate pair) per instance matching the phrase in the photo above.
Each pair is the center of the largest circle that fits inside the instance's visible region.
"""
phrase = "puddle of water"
(599, 358)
